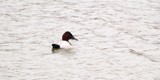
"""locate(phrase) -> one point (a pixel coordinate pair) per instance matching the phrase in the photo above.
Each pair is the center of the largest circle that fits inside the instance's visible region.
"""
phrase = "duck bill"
(74, 38)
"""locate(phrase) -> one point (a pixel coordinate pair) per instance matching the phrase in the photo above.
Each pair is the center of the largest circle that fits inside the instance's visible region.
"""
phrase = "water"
(118, 40)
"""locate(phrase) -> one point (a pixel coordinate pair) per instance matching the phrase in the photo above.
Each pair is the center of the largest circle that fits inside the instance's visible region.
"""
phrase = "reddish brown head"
(67, 35)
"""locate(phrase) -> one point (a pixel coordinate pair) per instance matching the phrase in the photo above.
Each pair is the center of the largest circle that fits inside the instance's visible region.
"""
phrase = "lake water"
(117, 39)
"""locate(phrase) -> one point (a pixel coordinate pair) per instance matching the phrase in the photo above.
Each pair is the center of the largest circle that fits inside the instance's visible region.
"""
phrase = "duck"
(64, 44)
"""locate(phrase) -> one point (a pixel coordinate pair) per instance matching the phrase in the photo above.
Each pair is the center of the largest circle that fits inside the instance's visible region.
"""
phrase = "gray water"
(118, 39)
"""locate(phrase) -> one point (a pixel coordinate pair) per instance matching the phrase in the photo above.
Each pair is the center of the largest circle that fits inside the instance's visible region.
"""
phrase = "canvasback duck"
(64, 44)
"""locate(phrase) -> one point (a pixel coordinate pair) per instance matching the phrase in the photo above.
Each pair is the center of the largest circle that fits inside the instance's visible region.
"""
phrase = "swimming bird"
(64, 44)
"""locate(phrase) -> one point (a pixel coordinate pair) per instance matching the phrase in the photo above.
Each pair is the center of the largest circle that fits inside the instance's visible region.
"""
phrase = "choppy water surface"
(118, 39)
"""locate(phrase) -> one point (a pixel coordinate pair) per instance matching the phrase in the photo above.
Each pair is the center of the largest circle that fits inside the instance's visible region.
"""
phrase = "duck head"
(67, 36)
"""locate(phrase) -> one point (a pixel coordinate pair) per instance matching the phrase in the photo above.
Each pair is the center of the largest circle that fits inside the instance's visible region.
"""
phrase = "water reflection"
(65, 52)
